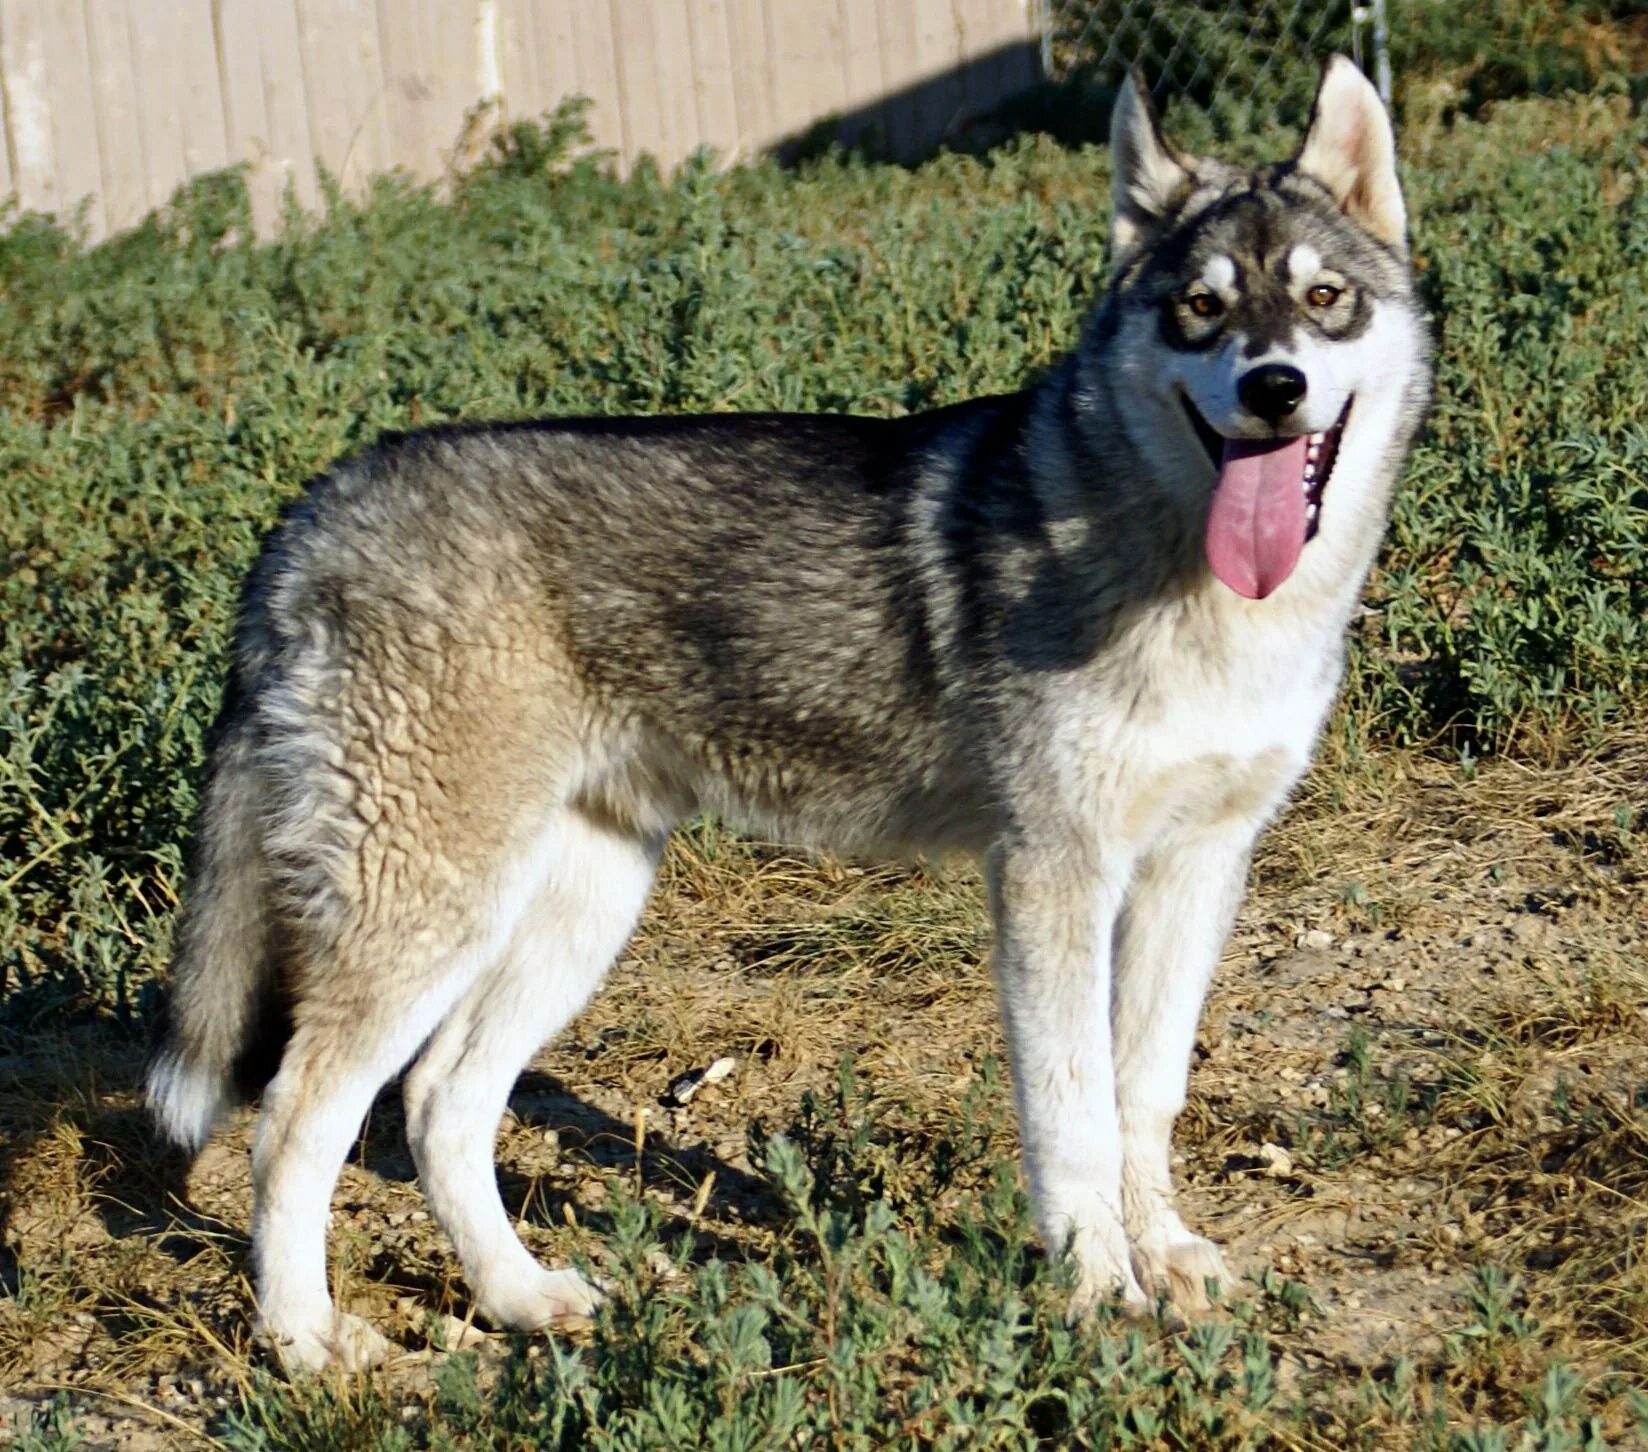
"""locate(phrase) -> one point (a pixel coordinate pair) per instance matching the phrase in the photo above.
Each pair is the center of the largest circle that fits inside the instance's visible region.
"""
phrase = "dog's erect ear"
(1151, 179)
(1350, 150)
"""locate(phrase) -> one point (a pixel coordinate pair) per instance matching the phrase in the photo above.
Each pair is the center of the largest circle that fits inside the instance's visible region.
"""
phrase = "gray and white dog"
(1089, 631)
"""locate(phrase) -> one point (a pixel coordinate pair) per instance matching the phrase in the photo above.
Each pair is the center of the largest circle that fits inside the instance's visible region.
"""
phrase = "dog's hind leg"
(341, 1051)
(398, 925)
(456, 1092)
(1178, 913)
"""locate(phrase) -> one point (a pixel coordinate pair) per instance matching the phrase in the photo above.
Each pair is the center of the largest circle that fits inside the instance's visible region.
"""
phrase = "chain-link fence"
(1199, 48)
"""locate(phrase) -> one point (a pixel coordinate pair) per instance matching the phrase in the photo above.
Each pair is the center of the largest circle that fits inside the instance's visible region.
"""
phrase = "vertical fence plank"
(673, 80)
(557, 57)
(246, 125)
(159, 122)
(862, 76)
(265, 103)
(747, 22)
(525, 58)
(1003, 31)
(807, 78)
(408, 90)
(896, 26)
(291, 145)
(595, 52)
(539, 54)
(8, 188)
(634, 46)
(1021, 28)
(79, 171)
(28, 105)
(344, 74)
(115, 93)
(442, 83)
(199, 95)
(180, 108)
(712, 77)
(936, 47)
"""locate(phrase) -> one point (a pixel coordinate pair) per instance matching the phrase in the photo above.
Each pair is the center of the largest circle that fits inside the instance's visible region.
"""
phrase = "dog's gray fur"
(481, 672)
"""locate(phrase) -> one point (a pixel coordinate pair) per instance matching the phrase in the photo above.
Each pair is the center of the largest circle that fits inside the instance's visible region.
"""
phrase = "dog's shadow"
(73, 1128)
(594, 1145)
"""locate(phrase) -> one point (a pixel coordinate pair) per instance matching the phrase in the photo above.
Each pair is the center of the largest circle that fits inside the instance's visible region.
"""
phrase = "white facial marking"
(1304, 262)
(1219, 274)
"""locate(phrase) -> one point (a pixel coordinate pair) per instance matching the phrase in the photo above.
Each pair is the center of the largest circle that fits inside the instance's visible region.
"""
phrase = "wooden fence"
(110, 104)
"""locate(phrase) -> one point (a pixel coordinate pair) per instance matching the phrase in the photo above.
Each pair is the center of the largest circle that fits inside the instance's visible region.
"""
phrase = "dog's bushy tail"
(225, 1023)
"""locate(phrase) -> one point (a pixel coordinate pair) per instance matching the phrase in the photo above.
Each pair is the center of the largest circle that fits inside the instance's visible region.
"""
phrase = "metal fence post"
(1381, 53)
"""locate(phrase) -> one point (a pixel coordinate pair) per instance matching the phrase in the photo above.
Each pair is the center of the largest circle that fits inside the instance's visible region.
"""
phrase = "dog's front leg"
(1055, 910)
(1177, 916)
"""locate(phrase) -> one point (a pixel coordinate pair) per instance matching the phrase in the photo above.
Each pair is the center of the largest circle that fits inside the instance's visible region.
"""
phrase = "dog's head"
(1265, 328)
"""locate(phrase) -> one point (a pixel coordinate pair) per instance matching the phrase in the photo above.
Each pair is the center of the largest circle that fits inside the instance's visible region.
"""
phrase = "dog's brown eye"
(1323, 295)
(1204, 304)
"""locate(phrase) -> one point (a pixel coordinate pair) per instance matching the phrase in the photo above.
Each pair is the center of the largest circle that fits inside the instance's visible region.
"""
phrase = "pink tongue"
(1256, 527)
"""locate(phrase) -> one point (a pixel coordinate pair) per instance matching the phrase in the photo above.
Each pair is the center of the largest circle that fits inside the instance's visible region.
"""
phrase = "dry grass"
(1435, 1003)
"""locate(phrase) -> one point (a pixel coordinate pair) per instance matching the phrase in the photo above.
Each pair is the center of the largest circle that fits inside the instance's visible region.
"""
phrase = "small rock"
(1531, 929)
(458, 1335)
(1277, 1161)
(1317, 938)
(684, 1086)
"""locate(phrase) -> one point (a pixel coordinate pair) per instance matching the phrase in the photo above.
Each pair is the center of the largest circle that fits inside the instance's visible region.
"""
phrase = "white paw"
(1178, 1267)
(546, 1299)
(1103, 1275)
(343, 1341)
(1094, 1292)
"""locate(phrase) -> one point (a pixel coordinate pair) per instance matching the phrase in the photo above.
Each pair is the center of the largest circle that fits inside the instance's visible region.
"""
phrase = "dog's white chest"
(1221, 755)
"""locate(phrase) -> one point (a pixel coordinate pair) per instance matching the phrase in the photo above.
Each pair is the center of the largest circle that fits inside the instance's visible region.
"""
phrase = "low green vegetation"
(882, 1321)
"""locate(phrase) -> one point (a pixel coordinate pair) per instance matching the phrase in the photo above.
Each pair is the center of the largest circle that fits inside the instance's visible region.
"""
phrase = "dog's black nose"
(1272, 391)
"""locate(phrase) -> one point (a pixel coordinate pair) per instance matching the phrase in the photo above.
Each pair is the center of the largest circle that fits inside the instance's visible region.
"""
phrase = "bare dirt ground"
(1426, 1054)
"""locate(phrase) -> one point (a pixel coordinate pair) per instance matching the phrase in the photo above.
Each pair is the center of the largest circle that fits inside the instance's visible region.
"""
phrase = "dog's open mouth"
(1267, 502)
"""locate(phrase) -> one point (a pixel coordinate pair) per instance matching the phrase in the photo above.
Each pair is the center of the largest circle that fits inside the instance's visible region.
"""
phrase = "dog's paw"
(342, 1341)
(550, 1299)
(1106, 1283)
(1179, 1269)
